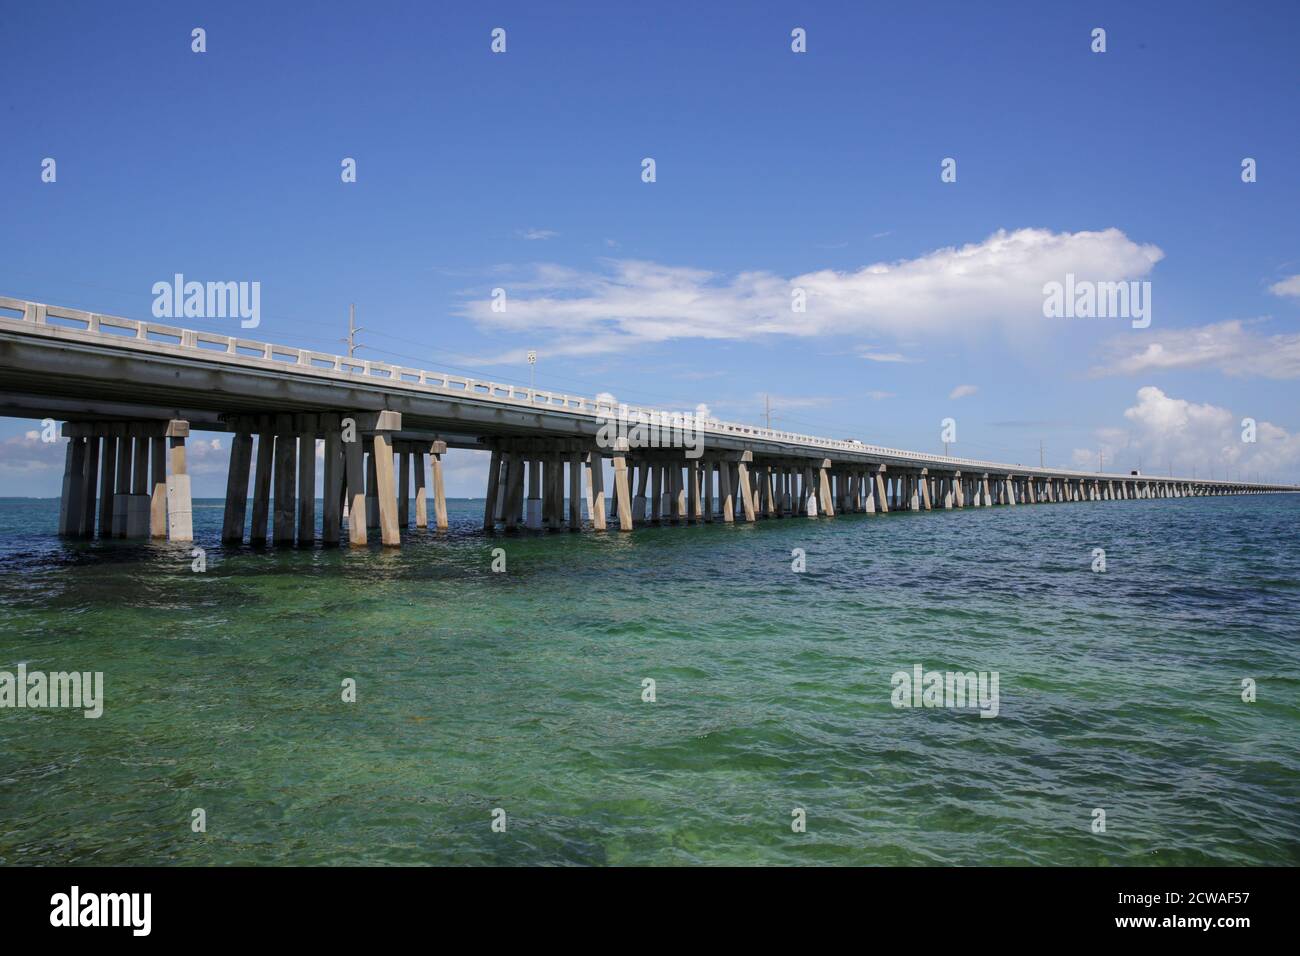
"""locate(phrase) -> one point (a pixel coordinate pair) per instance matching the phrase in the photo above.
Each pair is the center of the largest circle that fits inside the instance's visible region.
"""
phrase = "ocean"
(518, 697)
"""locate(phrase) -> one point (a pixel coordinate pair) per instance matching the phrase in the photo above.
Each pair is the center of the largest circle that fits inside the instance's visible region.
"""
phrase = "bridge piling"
(436, 451)
(157, 487)
(241, 456)
(597, 490)
(333, 467)
(90, 475)
(354, 460)
(176, 483)
(306, 452)
(285, 481)
(70, 502)
(137, 513)
(262, 476)
(107, 473)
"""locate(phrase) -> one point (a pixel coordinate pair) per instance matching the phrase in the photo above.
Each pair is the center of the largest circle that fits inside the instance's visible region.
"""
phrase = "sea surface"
(522, 691)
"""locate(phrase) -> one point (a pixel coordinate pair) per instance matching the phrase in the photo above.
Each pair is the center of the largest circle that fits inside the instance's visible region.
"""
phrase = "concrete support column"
(354, 461)
(306, 426)
(137, 514)
(598, 490)
(157, 487)
(241, 458)
(122, 483)
(490, 495)
(70, 503)
(825, 500)
(575, 491)
(402, 455)
(262, 482)
(746, 488)
(697, 496)
(726, 502)
(332, 480)
(638, 503)
(180, 505)
(679, 493)
(555, 472)
(706, 469)
(107, 474)
(533, 509)
(514, 472)
(808, 492)
(421, 494)
(389, 532)
(89, 480)
(622, 492)
(436, 451)
(286, 481)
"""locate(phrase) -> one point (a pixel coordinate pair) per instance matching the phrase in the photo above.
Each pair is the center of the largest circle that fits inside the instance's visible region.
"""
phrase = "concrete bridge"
(129, 392)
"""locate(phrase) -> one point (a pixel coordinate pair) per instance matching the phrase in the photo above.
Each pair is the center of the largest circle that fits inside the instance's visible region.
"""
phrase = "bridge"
(129, 392)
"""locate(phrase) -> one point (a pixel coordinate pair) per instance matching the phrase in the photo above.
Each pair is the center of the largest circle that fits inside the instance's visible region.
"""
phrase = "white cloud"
(1288, 286)
(1232, 347)
(956, 291)
(534, 235)
(26, 456)
(1164, 432)
(961, 391)
(886, 357)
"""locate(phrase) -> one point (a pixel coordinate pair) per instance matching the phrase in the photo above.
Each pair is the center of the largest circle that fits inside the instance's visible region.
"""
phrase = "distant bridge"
(130, 391)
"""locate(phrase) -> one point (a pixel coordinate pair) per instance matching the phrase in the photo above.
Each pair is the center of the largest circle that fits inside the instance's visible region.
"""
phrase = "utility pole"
(1101, 461)
(1040, 453)
(767, 410)
(353, 329)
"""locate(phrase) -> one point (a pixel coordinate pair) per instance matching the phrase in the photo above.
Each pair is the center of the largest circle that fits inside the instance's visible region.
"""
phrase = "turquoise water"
(522, 691)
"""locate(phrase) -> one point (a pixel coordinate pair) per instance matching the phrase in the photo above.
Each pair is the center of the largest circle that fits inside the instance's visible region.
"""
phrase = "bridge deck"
(130, 391)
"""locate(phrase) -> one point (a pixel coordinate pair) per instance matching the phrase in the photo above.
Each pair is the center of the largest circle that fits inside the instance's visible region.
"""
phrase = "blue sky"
(774, 169)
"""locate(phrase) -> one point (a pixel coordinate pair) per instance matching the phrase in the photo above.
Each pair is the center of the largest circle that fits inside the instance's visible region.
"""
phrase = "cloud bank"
(995, 284)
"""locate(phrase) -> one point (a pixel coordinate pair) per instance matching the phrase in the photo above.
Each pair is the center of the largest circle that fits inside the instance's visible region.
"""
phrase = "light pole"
(353, 329)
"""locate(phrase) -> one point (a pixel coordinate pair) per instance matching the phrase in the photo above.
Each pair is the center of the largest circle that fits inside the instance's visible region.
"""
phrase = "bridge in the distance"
(129, 391)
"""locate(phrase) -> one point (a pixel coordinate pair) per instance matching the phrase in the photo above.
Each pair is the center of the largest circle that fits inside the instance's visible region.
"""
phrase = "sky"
(776, 174)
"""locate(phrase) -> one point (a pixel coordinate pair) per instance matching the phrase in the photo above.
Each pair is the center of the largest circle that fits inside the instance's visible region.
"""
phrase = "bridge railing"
(214, 343)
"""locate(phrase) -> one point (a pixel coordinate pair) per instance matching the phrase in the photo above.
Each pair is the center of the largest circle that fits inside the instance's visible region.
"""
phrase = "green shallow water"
(522, 691)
